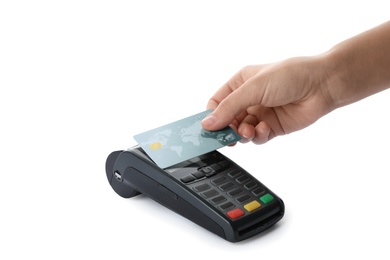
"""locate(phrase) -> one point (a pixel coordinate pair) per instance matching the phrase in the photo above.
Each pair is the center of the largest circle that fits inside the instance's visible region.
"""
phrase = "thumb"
(230, 107)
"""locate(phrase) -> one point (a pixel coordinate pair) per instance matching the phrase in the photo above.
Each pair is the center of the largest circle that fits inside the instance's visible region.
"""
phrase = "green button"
(267, 198)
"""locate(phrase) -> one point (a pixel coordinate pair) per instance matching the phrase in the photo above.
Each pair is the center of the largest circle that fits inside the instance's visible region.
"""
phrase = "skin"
(264, 101)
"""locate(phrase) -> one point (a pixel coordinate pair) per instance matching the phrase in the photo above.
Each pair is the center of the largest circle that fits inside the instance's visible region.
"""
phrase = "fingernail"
(209, 120)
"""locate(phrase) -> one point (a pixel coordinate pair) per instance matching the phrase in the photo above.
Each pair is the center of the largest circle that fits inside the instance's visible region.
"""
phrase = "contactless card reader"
(210, 190)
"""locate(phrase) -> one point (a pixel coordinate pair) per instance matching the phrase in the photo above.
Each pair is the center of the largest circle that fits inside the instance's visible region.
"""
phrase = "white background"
(79, 78)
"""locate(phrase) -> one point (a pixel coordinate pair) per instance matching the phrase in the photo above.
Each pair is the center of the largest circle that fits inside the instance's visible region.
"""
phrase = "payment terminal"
(210, 190)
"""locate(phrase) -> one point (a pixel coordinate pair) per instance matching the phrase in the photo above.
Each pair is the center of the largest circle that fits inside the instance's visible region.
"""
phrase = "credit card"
(183, 140)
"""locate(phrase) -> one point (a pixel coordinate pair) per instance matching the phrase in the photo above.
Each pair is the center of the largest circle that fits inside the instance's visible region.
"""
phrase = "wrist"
(335, 80)
(358, 67)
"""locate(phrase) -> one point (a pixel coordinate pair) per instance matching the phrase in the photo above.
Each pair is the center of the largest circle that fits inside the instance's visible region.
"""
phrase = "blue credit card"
(182, 140)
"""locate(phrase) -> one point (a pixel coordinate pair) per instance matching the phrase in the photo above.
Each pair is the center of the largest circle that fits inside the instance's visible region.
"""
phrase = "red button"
(235, 213)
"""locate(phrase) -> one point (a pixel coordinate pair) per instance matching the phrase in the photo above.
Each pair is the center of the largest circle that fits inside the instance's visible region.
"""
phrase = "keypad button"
(209, 193)
(206, 169)
(250, 185)
(242, 179)
(188, 178)
(216, 167)
(202, 187)
(227, 186)
(199, 174)
(258, 191)
(267, 198)
(234, 192)
(219, 180)
(251, 206)
(227, 205)
(235, 213)
(224, 164)
(218, 200)
(243, 198)
(234, 173)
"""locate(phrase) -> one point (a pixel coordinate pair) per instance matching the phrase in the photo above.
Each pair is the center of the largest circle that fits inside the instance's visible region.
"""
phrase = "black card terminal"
(210, 190)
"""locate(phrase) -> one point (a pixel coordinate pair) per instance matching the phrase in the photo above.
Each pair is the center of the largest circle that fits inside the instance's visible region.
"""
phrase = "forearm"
(358, 67)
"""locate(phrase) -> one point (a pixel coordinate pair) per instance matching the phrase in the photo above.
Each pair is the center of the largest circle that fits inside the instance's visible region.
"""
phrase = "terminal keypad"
(232, 191)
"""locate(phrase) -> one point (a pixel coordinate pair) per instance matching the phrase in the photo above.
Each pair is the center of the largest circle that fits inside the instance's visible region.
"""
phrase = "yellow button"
(251, 206)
